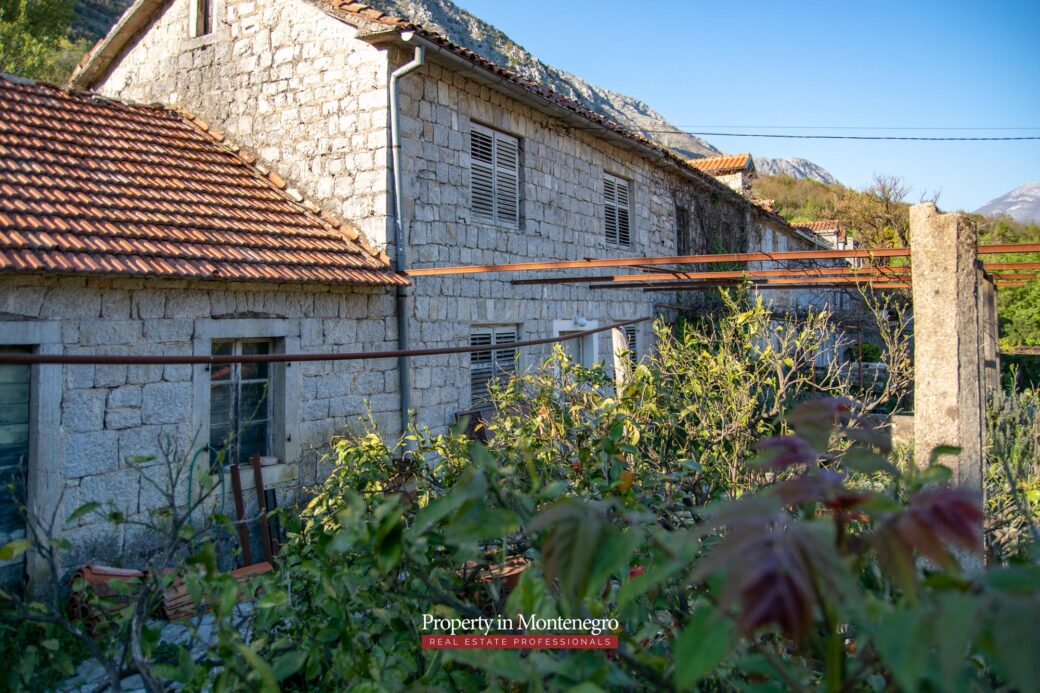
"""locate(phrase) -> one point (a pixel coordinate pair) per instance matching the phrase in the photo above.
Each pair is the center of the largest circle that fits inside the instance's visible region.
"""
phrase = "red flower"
(638, 570)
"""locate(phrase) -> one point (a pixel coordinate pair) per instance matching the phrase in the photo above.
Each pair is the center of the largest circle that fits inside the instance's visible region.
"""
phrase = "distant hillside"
(1021, 204)
(95, 17)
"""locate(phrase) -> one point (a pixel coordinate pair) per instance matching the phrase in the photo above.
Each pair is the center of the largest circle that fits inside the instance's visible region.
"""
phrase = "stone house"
(493, 168)
(304, 106)
(130, 230)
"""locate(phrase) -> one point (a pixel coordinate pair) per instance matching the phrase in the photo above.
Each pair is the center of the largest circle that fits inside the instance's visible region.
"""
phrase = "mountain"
(465, 29)
(795, 168)
(1021, 204)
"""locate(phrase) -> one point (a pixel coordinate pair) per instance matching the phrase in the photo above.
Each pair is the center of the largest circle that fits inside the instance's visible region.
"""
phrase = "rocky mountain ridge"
(470, 31)
(1021, 204)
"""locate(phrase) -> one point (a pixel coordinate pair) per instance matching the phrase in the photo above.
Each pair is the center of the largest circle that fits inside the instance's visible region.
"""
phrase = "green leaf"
(933, 475)
(955, 625)
(866, 462)
(268, 681)
(272, 600)
(287, 664)
(901, 642)
(940, 451)
(13, 549)
(701, 645)
(82, 511)
(51, 644)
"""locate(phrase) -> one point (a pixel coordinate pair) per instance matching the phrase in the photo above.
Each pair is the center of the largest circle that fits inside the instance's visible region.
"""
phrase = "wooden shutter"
(481, 365)
(492, 364)
(616, 210)
(610, 209)
(507, 179)
(482, 174)
(631, 338)
(494, 177)
(624, 229)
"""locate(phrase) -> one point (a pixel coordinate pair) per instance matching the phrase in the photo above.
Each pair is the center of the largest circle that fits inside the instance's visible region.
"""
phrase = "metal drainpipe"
(400, 258)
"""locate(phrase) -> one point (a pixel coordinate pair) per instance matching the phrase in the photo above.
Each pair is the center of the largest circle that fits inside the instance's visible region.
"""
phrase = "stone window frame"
(43, 487)
(194, 40)
(589, 343)
(286, 379)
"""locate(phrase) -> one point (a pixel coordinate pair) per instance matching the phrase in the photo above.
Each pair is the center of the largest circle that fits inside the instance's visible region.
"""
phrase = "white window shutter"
(624, 230)
(493, 364)
(494, 176)
(507, 179)
(617, 203)
(610, 209)
(482, 174)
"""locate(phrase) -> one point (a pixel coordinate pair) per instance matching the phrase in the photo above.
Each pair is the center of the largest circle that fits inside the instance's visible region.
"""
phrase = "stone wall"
(287, 81)
(561, 218)
(109, 415)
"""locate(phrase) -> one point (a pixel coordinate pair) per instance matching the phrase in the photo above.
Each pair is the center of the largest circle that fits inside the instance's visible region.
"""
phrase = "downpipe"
(400, 256)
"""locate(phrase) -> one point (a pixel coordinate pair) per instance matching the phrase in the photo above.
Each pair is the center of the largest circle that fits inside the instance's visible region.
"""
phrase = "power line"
(849, 137)
(851, 127)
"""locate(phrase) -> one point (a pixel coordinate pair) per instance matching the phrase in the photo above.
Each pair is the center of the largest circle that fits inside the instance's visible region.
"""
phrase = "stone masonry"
(109, 415)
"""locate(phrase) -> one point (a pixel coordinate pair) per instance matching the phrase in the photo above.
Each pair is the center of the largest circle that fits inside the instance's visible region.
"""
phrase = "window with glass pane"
(202, 18)
(632, 339)
(574, 348)
(682, 230)
(240, 402)
(14, 458)
(491, 365)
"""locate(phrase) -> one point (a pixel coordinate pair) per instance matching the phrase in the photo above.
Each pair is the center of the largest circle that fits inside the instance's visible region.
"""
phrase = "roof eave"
(107, 50)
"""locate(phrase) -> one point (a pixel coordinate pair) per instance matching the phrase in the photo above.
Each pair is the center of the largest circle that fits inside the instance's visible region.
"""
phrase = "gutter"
(400, 256)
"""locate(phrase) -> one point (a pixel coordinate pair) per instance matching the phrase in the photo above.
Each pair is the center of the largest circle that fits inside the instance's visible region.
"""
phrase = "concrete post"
(948, 364)
(989, 333)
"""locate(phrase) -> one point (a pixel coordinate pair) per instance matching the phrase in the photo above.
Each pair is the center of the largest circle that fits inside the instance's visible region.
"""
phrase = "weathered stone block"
(110, 375)
(119, 419)
(165, 403)
(83, 411)
(91, 453)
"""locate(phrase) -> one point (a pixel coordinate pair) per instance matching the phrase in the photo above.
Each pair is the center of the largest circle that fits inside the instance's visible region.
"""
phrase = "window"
(491, 365)
(632, 339)
(201, 18)
(240, 402)
(494, 177)
(14, 458)
(682, 230)
(616, 210)
(583, 349)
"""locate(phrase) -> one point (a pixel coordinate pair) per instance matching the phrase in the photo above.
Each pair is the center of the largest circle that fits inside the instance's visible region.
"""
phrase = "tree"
(34, 39)
(880, 217)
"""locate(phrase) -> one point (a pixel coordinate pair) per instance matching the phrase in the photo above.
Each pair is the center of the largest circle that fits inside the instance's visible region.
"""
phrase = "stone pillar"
(948, 394)
(989, 334)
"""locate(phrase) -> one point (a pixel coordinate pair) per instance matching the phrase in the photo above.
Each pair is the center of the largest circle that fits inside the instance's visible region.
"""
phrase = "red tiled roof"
(91, 185)
(824, 225)
(721, 165)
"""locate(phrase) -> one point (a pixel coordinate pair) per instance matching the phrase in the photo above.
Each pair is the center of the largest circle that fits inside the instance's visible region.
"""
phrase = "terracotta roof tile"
(91, 185)
(822, 225)
(721, 165)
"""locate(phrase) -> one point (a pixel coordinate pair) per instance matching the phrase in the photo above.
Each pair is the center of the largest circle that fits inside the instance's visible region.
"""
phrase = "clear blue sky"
(950, 64)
